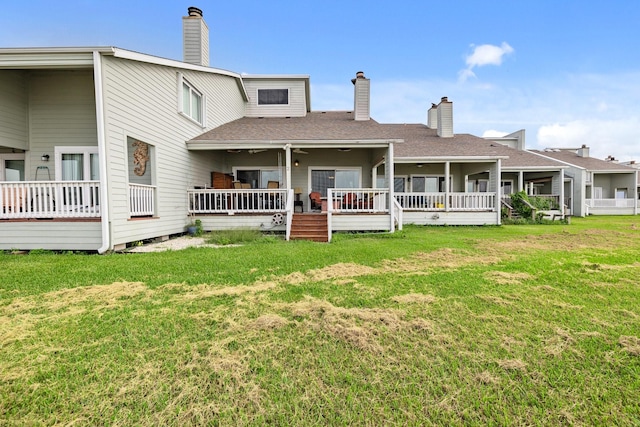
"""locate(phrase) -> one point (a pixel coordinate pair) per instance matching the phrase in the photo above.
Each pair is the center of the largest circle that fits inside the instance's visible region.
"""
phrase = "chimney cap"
(359, 75)
(194, 11)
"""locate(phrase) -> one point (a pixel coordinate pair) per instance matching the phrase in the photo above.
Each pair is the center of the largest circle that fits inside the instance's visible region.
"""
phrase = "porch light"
(45, 158)
(296, 163)
(419, 165)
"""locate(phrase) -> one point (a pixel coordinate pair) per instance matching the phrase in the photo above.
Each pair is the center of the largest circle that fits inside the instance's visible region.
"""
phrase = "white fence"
(237, 201)
(610, 203)
(141, 199)
(49, 199)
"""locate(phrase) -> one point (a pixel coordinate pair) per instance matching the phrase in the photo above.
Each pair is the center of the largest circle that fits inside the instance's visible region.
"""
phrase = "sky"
(566, 71)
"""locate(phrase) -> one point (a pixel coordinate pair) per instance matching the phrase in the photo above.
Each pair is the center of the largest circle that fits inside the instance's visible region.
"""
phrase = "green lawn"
(512, 325)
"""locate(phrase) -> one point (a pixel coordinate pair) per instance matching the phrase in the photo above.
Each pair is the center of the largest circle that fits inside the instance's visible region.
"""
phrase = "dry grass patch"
(269, 321)
(206, 291)
(557, 344)
(512, 364)
(506, 278)
(487, 378)
(414, 299)
(441, 258)
(630, 344)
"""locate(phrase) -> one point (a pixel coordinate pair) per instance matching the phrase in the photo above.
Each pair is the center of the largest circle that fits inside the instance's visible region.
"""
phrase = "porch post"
(447, 190)
(390, 172)
(498, 201)
(520, 181)
(287, 168)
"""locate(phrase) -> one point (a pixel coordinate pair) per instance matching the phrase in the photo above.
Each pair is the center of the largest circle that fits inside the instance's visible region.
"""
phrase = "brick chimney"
(583, 151)
(361, 97)
(445, 118)
(195, 38)
(432, 117)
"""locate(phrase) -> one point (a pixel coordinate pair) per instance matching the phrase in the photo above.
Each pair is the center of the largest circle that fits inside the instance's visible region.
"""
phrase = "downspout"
(391, 173)
(498, 201)
(102, 153)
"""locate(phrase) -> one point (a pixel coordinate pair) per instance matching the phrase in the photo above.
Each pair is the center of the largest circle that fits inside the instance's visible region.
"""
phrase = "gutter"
(102, 153)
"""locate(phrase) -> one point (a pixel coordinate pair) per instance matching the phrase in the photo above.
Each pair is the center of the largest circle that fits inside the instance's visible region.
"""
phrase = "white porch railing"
(472, 202)
(439, 201)
(49, 199)
(421, 201)
(237, 201)
(610, 203)
(141, 199)
(357, 200)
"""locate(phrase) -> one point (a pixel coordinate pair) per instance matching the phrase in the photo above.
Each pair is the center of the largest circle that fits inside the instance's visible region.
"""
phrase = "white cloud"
(485, 54)
(619, 138)
(600, 111)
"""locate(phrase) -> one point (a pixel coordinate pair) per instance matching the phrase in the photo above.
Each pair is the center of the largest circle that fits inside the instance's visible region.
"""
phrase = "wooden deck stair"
(309, 226)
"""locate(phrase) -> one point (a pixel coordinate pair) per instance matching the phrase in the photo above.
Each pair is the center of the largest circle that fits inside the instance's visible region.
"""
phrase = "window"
(77, 164)
(321, 179)
(399, 184)
(506, 187)
(621, 193)
(258, 178)
(192, 102)
(427, 184)
(273, 96)
(12, 167)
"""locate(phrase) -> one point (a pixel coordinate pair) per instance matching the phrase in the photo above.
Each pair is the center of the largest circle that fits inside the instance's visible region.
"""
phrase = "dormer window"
(273, 96)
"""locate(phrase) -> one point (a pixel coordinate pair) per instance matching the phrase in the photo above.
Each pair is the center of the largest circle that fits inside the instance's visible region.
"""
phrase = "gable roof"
(589, 163)
(424, 142)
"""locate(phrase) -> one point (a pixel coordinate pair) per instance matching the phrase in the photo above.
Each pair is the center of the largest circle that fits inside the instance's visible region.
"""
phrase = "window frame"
(260, 169)
(86, 152)
(186, 110)
(258, 90)
(440, 182)
(357, 169)
(11, 156)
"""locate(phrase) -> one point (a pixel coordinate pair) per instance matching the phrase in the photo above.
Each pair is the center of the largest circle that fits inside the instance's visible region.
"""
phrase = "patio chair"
(349, 200)
(316, 200)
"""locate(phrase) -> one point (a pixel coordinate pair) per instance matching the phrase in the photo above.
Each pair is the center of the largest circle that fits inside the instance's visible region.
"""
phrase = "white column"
(287, 156)
(447, 190)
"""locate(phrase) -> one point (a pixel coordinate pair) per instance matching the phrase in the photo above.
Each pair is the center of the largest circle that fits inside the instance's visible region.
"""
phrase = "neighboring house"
(635, 165)
(594, 186)
(101, 147)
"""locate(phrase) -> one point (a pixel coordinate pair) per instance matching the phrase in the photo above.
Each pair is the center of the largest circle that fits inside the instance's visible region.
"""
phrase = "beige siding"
(61, 113)
(50, 235)
(379, 222)
(451, 218)
(13, 110)
(297, 99)
(225, 222)
(141, 102)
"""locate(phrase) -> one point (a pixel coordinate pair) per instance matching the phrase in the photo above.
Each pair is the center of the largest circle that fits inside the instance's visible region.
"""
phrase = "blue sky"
(566, 71)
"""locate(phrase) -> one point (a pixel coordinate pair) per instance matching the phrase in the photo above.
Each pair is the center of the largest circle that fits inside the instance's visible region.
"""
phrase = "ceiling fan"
(256, 150)
(299, 151)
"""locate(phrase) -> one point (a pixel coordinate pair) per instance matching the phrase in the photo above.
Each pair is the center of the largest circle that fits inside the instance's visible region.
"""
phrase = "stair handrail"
(508, 206)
